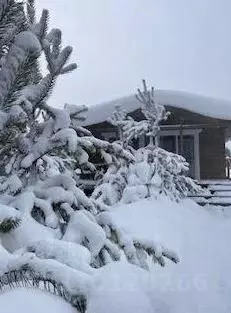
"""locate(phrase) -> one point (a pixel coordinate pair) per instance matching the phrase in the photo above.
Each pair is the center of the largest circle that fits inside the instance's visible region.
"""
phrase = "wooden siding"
(211, 139)
(212, 153)
(177, 117)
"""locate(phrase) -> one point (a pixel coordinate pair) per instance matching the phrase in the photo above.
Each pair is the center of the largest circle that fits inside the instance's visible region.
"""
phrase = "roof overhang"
(203, 105)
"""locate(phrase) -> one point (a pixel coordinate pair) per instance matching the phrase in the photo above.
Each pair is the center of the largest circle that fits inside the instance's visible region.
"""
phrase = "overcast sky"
(174, 44)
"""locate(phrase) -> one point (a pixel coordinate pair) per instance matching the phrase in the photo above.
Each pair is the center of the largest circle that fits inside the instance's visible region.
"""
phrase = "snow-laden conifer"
(122, 121)
(155, 171)
(50, 231)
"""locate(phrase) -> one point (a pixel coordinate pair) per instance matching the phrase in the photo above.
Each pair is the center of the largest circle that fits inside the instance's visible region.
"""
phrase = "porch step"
(219, 193)
(213, 201)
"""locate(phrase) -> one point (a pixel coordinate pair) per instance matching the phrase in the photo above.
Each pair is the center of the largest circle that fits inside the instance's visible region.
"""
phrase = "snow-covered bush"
(50, 231)
(122, 121)
(155, 171)
(153, 113)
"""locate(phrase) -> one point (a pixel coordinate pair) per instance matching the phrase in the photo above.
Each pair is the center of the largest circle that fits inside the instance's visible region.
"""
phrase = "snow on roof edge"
(207, 106)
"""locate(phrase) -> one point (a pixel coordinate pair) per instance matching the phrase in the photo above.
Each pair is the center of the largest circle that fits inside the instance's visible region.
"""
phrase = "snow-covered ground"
(25, 300)
(201, 282)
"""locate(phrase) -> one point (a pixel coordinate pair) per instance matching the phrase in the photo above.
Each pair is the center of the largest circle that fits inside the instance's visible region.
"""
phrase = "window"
(109, 136)
(169, 143)
(172, 143)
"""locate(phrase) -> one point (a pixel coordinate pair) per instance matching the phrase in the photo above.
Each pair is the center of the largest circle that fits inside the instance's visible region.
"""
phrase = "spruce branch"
(30, 6)
(136, 250)
(9, 224)
(69, 68)
(3, 6)
(41, 28)
(26, 276)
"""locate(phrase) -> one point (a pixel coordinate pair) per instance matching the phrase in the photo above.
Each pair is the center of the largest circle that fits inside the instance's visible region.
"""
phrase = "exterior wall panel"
(212, 153)
(211, 138)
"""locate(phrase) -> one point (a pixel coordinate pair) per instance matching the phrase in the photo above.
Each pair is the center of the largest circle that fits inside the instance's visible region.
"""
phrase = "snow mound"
(201, 281)
(211, 107)
(28, 300)
(120, 287)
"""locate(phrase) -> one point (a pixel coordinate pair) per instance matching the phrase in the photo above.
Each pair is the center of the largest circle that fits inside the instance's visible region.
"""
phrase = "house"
(197, 128)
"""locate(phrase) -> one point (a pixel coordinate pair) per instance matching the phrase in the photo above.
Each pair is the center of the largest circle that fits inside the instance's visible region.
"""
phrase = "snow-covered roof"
(207, 106)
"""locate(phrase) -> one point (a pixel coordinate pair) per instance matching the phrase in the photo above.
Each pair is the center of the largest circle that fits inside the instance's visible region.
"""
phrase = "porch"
(219, 193)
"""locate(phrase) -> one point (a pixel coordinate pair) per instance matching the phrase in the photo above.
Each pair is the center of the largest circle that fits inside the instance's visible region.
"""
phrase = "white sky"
(174, 44)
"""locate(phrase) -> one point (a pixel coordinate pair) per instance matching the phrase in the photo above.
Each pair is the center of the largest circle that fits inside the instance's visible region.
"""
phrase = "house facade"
(196, 129)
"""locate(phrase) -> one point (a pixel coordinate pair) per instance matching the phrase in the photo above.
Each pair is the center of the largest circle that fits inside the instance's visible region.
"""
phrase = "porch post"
(197, 154)
(181, 146)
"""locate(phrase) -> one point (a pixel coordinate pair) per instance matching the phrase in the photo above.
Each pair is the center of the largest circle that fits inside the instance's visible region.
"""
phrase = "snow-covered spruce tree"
(13, 22)
(121, 121)
(111, 186)
(50, 231)
(153, 113)
(155, 170)
(112, 183)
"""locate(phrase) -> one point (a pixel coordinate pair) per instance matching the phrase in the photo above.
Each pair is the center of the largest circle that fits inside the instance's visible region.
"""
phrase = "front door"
(172, 143)
(188, 153)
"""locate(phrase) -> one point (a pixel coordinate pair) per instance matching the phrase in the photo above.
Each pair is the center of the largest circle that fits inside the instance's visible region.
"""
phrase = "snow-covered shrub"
(153, 113)
(157, 171)
(154, 171)
(50, 231)
(122, 122)
(111, 187)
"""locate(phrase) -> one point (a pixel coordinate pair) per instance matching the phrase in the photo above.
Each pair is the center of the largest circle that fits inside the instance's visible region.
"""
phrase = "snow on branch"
(30, 8)
(9, 218)
(153, 112)
(53, 276)
(136, 250)
(69, 253)
(25, 44)
(3, 6)
(156, 251)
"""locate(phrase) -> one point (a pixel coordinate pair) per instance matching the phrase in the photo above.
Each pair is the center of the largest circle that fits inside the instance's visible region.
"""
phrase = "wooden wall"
(211, 140)
(212, 153)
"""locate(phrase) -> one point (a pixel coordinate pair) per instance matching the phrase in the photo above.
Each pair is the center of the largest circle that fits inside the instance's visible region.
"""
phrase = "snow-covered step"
(222, 182)
(211, 196)
(220, 193)
(219, 187)
(213, 201)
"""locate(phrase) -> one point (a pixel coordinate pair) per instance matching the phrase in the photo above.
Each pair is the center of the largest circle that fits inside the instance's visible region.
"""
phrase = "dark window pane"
(168, 143)
(187, 151)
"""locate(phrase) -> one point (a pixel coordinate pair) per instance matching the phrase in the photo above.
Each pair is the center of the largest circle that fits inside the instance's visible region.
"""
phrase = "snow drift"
(199, 283)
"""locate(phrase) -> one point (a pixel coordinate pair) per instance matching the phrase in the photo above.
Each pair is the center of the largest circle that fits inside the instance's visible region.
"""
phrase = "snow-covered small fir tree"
(122, 122)
(155, 171)
(153, 113)
(111, 185)
(50, 231)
